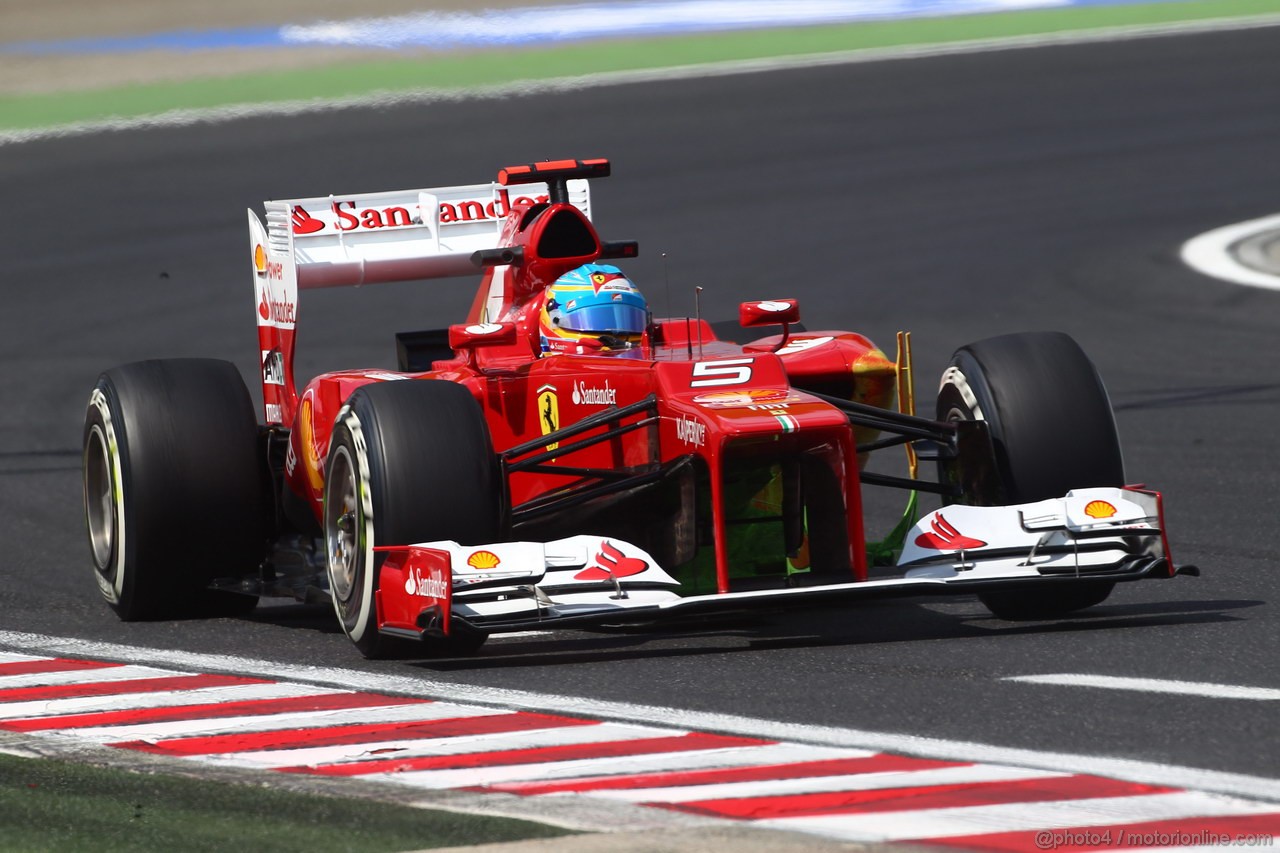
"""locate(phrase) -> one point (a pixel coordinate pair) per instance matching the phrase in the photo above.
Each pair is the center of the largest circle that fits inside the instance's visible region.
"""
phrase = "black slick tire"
(173, 488)
(409, 461)
(1052, 430)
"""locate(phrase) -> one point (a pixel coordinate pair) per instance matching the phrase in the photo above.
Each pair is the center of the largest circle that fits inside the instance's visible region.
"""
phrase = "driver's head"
(591, 308)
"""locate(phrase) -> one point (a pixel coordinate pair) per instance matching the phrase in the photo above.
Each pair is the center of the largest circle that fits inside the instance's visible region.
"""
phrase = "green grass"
(61, 806)
(467, 70)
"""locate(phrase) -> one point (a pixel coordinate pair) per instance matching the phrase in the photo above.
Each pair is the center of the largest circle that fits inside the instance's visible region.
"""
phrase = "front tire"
(173, 490)
(409, 461)
(1052, 430)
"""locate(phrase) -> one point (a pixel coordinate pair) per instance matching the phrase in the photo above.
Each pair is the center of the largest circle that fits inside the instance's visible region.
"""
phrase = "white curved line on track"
(1211, 253)
(1253, 787)
(1202, 689)
(217, 115)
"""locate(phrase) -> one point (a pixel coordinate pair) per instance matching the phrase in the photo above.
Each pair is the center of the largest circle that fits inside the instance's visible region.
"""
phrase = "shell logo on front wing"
(1100, 509)
(483, 560)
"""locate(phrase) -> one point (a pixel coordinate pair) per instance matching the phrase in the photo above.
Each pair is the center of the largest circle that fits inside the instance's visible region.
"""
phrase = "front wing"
(437, 588)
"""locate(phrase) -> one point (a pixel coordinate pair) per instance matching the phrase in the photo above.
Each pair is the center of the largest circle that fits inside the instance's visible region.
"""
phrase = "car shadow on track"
(897, 622)
(309, 617)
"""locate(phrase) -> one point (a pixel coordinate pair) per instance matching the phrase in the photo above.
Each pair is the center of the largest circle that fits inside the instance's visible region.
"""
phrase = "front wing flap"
(1086, 532)
(1091, 534)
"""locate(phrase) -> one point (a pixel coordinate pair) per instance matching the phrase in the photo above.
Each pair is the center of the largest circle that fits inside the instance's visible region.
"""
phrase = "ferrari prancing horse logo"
(549, 412)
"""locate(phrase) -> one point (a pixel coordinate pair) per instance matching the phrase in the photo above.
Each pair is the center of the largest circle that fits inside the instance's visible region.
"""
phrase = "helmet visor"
(617, 317)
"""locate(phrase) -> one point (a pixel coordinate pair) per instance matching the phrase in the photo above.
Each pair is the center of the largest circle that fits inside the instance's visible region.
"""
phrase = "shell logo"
(1099, 509)
(483, 560)
(741, 399)
(260, 259)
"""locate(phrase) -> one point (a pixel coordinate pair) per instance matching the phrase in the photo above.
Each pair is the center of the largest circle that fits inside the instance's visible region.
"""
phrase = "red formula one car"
(562, 458)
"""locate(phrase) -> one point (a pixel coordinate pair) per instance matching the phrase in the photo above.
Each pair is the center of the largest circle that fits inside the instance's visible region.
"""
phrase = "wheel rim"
(99, 499)
(342, 541)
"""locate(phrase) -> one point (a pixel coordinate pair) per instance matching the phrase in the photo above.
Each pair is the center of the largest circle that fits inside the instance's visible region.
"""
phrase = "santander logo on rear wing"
(367, 238)
(373, 212)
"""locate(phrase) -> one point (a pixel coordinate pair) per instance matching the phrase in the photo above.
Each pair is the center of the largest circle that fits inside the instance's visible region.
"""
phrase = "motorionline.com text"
(1056, 838)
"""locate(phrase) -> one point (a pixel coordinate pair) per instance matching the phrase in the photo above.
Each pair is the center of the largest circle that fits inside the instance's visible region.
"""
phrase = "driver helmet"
(592, 308)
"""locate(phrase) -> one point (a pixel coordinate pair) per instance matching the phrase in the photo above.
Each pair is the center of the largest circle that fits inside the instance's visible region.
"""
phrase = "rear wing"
(368, 238)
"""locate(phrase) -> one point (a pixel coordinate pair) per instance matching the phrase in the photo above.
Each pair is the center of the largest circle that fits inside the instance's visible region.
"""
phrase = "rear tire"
(409, 461)
(174, 493)
(1052, 429)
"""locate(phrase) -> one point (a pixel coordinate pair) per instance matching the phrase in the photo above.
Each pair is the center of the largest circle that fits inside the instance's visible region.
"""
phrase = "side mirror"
(470, 336)
(497, 257)
(771, 312)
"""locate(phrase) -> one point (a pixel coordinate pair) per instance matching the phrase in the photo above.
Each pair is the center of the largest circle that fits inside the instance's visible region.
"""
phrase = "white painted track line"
(809, 742)
(422, 747)
(967, 775)
(549, 771)
(1210, 253)
(1014, 817)
(14, 657)
(273, 722)
(168, 699)
(461, 747)
(84, 676)
(1152, 685)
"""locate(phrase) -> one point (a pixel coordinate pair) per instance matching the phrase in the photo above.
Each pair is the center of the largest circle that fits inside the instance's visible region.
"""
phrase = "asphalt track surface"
(957, 197)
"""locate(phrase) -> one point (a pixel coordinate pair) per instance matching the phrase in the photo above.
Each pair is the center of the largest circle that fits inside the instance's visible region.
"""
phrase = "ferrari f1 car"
(499, 482)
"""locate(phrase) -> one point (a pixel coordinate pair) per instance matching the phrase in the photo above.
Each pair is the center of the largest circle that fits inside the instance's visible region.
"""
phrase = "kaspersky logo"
(691, 431)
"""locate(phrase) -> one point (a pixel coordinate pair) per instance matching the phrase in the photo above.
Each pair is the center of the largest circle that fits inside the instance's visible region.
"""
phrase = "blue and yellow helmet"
(593, 301)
